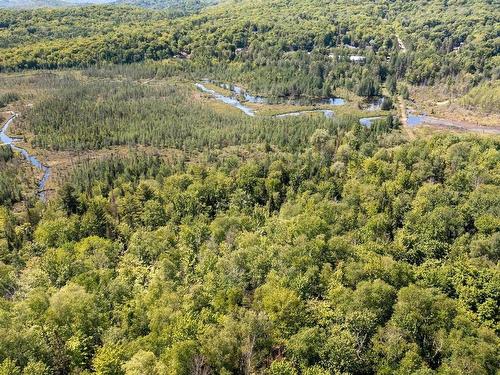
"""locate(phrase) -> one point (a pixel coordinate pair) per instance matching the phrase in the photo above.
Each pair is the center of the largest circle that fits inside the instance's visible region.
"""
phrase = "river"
(328, 113)
(228, 100)
(239, 92)
(242, 93)
(412, 120)
(5, 139)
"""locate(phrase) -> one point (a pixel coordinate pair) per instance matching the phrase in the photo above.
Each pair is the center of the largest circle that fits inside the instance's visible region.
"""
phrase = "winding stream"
(327, 112)
(412, 120)
(368, 121)
(241, 92)
(228, 100)
(5, 139)
(238, 91)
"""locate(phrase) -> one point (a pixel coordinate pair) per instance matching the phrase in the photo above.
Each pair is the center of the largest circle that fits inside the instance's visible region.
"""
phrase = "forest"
(354, 255)
(180, 235)
(453, 42)
(9, 192)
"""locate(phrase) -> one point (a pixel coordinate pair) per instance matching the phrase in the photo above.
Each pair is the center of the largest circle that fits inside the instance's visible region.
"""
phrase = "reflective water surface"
(5, 139)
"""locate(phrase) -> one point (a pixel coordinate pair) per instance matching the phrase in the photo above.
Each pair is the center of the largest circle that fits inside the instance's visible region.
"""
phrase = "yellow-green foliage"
(485, 96)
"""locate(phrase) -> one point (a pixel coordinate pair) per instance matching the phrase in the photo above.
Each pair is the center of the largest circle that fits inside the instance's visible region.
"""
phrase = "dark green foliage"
(111, 170)
(192, 239)
(174, 7)
(6, 153)
(91, 116)
(8, 98)
(14, 184)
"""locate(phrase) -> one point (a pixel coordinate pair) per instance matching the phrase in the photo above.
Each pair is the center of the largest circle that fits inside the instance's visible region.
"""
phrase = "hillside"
(263, 35)
(179, 6)
(253, 187)
(29, 4)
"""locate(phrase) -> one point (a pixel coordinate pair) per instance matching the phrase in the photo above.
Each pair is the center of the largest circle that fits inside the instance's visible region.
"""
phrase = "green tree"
(141, 363)
(108, 360)
(281, 367)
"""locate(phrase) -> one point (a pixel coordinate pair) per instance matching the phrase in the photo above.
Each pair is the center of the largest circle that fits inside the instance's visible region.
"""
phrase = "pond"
(228, 100)
(414, 120)
(373, 104)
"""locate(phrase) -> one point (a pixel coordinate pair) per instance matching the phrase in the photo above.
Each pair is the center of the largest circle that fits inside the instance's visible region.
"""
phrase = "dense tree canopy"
(369, 257)
(181, 236)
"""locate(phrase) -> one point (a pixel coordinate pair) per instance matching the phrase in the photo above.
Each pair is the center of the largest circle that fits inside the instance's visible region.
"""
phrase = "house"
(357, 58)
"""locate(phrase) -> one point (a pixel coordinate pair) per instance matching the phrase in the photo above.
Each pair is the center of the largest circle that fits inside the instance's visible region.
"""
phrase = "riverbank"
(33, 160)
(437, 102)
(250, 105)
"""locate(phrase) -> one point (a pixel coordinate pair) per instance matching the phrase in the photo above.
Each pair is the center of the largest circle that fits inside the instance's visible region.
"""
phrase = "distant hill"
(180, 6)
(30, 3)
(183, 6)
(47, 3)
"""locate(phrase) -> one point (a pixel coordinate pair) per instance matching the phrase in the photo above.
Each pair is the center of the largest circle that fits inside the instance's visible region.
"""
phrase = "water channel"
(5, 139)
(412, 118)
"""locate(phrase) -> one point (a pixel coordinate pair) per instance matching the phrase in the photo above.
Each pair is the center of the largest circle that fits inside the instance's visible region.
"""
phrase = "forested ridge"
(452, 42)
(173, 8)
(180, 235)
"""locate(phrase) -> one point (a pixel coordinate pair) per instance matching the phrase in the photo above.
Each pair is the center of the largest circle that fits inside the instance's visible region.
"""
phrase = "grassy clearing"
(471, 108)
